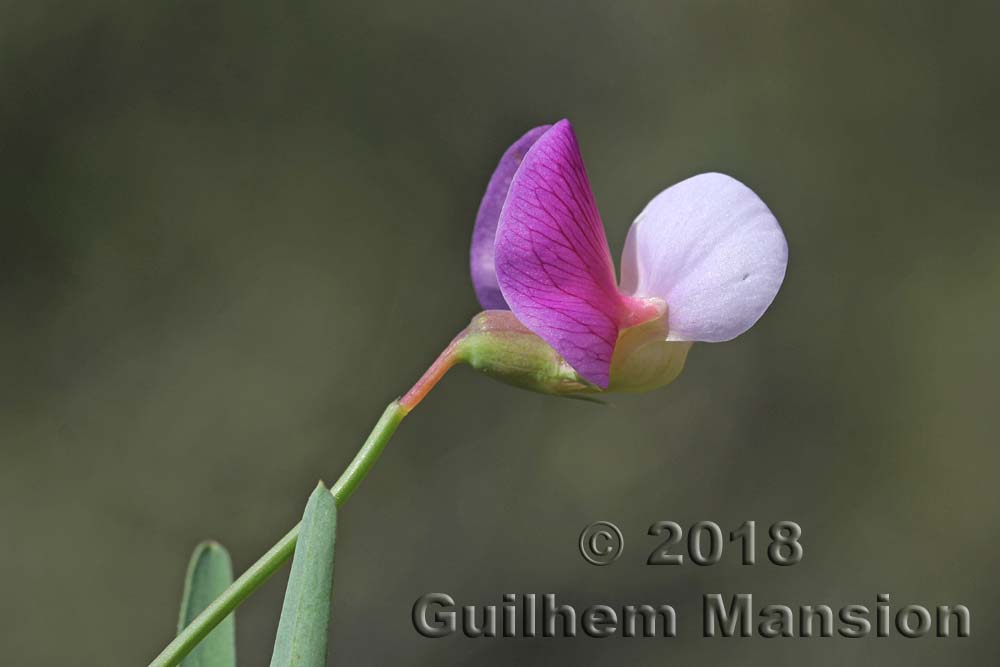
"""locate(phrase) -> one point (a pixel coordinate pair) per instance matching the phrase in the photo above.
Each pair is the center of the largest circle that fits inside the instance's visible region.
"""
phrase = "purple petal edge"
(481, 254)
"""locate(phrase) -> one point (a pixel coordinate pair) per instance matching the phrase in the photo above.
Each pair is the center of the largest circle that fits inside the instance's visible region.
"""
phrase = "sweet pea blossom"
(702, 262)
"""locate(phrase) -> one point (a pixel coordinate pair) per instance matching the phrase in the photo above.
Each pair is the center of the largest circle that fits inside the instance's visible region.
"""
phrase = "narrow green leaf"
(305, 614)
(209, 573)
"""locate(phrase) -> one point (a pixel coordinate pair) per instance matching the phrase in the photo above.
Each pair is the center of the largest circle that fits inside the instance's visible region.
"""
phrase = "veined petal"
(484, 275)
(713, 251)
(552, 259)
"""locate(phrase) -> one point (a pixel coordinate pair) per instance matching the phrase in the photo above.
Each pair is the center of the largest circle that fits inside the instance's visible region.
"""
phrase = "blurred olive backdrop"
(232, 232)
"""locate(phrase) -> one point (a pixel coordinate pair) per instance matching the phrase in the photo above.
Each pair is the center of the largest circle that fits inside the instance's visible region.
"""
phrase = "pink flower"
(702, 262)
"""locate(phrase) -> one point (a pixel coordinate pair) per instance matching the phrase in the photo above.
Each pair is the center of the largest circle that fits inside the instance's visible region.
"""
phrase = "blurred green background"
(232, 232)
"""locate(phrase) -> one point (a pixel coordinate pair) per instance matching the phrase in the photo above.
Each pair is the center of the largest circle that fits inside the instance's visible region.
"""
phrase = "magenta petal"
(484, 276)
(552, 259)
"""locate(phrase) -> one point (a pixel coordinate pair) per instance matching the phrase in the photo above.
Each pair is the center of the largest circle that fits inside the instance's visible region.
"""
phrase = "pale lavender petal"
(484, 275)
(713, 251)
(552, 259)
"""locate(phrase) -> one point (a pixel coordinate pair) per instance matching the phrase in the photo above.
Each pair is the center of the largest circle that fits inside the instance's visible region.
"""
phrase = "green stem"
(266, 565)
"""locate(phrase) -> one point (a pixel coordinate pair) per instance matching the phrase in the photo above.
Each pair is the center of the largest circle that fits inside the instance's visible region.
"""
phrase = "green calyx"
(497, 344)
